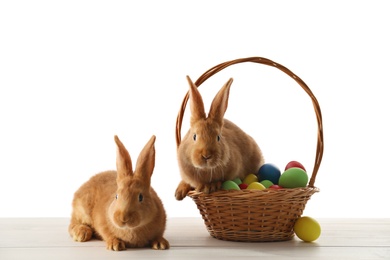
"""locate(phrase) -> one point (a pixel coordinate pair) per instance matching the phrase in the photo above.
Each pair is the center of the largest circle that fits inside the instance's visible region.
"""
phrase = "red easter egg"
(294, 164)
(243, 186)
(275, 187)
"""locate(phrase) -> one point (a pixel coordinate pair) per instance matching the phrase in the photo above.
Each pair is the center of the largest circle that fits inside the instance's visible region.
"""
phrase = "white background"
(74, 73)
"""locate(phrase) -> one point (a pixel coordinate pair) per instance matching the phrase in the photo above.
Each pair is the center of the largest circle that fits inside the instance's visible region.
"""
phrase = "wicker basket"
(253, 215)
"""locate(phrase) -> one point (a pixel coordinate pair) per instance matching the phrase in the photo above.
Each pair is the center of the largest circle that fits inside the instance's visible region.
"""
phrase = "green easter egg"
(237, 180)
(230, 185)
(267, 183)
(293, 178)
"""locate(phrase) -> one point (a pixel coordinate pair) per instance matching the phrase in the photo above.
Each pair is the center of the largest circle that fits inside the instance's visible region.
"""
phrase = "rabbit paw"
(209, 187)
(115, 244)
(182, 190)
(160, 244)
(81, 233)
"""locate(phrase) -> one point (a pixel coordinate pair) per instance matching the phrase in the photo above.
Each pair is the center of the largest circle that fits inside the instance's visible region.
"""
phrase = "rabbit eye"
(218, 138)
(116, 196)
(194, 137)
(140, 197)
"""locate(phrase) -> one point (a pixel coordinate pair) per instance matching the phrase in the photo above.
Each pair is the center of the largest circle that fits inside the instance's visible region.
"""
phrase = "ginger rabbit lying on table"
(120, 206)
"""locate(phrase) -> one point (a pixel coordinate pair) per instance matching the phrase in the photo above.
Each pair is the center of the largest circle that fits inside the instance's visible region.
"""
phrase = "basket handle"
(265, 61)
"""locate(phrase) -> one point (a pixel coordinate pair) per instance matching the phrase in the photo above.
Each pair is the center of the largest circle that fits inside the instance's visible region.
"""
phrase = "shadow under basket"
(255, 215)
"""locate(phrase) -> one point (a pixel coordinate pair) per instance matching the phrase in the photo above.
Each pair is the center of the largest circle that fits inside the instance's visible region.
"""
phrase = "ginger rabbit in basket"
(120, 206)
(214, 149)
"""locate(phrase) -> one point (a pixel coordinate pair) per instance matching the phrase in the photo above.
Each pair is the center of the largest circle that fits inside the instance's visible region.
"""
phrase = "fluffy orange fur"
(120, 206)
(214, 149)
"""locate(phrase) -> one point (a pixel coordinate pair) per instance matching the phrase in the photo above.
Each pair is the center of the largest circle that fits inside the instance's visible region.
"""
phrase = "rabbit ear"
(220, 102)
(146, 160)
(123, 161)
(196, 102)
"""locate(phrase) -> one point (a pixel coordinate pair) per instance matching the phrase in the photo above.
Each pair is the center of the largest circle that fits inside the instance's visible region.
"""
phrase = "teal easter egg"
(293, 178)
(269, 171)
(230, 185)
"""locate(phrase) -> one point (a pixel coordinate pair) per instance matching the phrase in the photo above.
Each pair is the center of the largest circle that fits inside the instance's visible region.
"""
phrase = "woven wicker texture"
(253, 215)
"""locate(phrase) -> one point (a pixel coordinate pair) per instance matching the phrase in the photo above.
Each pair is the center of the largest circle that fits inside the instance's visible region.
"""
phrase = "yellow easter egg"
(307, 229)
(255, 186)
(250, 178)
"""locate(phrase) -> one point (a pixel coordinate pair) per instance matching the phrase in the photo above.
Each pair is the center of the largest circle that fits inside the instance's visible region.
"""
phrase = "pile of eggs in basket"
(270, 176)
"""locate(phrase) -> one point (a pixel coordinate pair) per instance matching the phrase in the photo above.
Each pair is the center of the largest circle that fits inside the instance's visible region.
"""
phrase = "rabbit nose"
(124, 220)
(119, 219)
(206, 157)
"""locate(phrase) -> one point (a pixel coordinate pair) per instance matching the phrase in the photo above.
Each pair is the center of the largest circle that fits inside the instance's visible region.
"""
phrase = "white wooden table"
(47, 238)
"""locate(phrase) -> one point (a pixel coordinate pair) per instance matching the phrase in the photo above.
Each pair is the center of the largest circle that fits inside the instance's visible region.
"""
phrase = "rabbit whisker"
(197, 170)
(211, 174)
(221, 171)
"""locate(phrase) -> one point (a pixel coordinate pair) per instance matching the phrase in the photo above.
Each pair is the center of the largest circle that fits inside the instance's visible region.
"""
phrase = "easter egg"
(230, 185)
(267, 183)
(292, 164)
(275, 187)
(307, 229)
(250, 178)
(237, 180)
(269, 171)
(243, 186)
(255, 186)
(293, 178)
